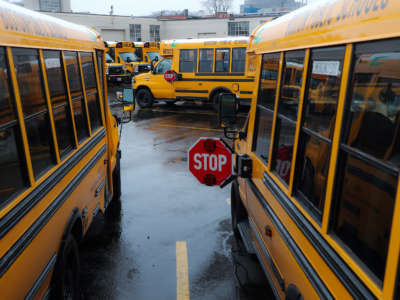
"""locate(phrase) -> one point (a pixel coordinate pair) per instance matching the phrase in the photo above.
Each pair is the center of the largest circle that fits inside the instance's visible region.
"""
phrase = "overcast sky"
(142, 7)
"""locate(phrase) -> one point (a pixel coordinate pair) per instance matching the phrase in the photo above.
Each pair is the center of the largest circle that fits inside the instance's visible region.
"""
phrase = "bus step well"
(245, 232)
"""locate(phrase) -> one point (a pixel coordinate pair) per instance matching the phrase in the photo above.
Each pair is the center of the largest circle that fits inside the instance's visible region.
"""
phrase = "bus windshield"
(153, 55)
(128, 56)
(109, 58)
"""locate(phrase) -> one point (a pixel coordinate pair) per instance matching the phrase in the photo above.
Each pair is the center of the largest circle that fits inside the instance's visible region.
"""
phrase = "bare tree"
(217, 6)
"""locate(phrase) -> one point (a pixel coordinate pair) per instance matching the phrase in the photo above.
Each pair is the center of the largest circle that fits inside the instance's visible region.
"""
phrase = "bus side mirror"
(227, 110)
(128, 102)
(227, 115)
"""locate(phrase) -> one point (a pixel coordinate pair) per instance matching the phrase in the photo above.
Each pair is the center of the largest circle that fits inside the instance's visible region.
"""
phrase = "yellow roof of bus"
(329, 22)
(23, 27)
(204, 42)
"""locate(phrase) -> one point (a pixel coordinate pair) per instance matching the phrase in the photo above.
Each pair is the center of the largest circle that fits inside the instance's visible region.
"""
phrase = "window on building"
(206, 57)
(287, 114)
(155, 33)
(187, 61)
(34, 107)
(369, 153)
(238, 60)
(238, 28)
(58, 96)
(12, 159)
(265, 105)
(135, 31)
(50, 5)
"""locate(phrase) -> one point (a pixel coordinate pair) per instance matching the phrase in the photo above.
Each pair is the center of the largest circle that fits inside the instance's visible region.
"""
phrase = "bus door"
(159, 86)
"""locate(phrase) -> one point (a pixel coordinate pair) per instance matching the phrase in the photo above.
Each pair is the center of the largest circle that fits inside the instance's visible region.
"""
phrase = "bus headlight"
(136, 70)
(124, 68)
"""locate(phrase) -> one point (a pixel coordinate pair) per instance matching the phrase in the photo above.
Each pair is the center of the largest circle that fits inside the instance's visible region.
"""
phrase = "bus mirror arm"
(244, 168)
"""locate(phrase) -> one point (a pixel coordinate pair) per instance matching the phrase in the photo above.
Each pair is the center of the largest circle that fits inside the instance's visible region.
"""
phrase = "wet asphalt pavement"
(131, 252)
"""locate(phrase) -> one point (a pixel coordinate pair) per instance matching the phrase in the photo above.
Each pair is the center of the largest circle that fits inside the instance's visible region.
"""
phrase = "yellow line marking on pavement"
(228, 200)
(189, 127)
(182, 273)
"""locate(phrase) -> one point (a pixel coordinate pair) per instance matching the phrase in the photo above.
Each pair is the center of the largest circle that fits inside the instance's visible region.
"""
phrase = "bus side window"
(206, 57)
(266, 105)
(92, 94)
(34, 107)
(58, 96)
(369, 155)
(187, 61)
(12, 159)
(99, 55)
(320, 104)
(222, 60)
(287, 114)
(78, 103)
(238, 60)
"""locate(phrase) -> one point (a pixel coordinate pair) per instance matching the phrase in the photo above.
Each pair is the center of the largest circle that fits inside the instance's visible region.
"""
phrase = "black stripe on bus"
(42, 277)
(24, 206)
(267, 255)
(20, 245)
(307, 268)
(347, 277)
(192, 91)
(191, 98)
(217, 79)
(246, 92)
(220, 74)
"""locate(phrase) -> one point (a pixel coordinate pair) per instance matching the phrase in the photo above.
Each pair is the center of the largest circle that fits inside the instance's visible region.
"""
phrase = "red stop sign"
(210, 161)
(169, 75)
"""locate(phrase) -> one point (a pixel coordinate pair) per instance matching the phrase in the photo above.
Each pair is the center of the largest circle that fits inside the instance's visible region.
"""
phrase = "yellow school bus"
(148, 53)
(130, 59)
(59, 151)
(116, 71)
(204, 68)
(316, 197)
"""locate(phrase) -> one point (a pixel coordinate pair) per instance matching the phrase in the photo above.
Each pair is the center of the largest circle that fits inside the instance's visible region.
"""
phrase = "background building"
(49, 5)
(166, 25)
(270, 6)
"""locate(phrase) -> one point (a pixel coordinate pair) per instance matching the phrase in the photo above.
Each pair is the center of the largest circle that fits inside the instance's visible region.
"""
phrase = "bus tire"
(215, 101)
(238, 211)
(170, 103)
(116, 176)
(66, 284)
(144, 98)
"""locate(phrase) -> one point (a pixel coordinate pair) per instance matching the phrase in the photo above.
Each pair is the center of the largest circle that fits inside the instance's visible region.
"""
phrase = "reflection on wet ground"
(130, 252)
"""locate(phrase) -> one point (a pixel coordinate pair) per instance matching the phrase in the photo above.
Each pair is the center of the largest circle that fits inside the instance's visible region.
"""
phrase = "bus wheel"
(170, 103)
(117, 178)
(215, 101)
(238, 211)
(66, 275)
(144, 98)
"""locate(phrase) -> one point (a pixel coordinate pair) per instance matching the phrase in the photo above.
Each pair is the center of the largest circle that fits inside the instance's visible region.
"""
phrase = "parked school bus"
(204, 68)
(317, 193)
(148, 53)
(130, 59)
(59, 151)
(116, 70)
